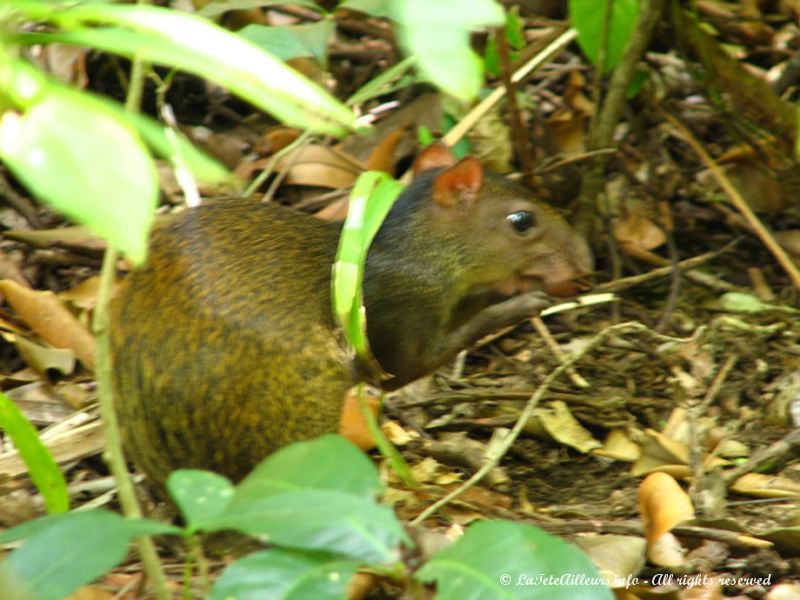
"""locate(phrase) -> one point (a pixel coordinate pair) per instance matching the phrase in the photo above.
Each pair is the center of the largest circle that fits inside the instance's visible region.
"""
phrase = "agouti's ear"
(460, 184)
(435, 156)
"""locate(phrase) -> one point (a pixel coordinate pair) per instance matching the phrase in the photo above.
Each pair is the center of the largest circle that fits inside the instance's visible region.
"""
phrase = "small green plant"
(604, 28)
(315, 503)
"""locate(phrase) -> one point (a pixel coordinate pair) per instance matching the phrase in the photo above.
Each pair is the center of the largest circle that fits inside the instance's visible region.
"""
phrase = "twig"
(519, 135)
(736, 199)
(552, 345)
(773, 451)
(495, 454)
(476, 114)
(684, 265)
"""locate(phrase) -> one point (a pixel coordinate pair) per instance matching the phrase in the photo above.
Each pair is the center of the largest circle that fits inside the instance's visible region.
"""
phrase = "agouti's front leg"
(493, 318)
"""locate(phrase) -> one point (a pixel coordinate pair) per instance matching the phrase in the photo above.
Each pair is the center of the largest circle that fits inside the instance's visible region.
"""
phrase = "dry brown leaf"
(48, 317)
(662, 504)
(83, 295)
(427, 470)
(320, 166)
(352, 424)
(636, 230)
(560, 425)
(766, 486)
(616, 556)
(335, 211)
(382, 156)
(666, 551)
(568, 130)
(41, 358)
(658, 449)
(619, 446)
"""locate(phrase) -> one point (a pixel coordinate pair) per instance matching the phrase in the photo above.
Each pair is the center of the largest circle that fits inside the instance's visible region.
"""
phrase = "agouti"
(224, 345)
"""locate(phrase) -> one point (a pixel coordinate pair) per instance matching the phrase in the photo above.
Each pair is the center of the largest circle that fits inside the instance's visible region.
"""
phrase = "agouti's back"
(225, 348)
(226, 334)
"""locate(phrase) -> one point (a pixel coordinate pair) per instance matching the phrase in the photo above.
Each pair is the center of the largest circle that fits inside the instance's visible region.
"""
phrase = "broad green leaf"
(42, 467)
(370, 201)
(67, 551)
(325, 520)
(217, 7)
(376, 8)
(514, 39)
(329, 462)
(289, 42)
(193, 44)
(392, 79)
(505, 560)
(78, 156)
(26, 86)
(588, 18)
(437, 34)
(134, 527)
(200, 495)
(284, 574)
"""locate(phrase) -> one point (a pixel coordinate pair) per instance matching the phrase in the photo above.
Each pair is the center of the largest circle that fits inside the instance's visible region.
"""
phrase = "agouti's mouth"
(520, 283)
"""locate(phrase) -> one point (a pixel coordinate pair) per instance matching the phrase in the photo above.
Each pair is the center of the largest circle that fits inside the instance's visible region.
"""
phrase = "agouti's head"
(511, 243)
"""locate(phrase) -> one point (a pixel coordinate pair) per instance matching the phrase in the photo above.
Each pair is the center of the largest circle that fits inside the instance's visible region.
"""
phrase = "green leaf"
(376, 8)
(135, 527)
(329, 462)
(193, 44)
(217, 7)
(78, 156)
(69, 550)
(287, 42)
(505, 560)
(370, 201)
(588, 16)
(514, 39)
(326, 520)
(42, 467)
(200, 495)
(392, 79)
(284, 574)
(437, 34)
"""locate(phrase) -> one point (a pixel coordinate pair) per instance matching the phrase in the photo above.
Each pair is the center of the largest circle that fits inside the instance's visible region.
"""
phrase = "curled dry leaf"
(618, 557)
(636, 231)
(766, 486)
(83, 295)
(658, 451)
(352, 425)
(321, 166)
(560, 425)
(47, 316)
(663, 504)
(382, 156)
(619, 446)
(42, 358)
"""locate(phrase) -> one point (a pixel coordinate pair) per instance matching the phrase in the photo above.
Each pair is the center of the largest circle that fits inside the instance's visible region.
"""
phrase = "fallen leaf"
(47, 316)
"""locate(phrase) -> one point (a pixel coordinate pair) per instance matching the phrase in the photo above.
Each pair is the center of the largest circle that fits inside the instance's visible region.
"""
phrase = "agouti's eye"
(521, 221)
